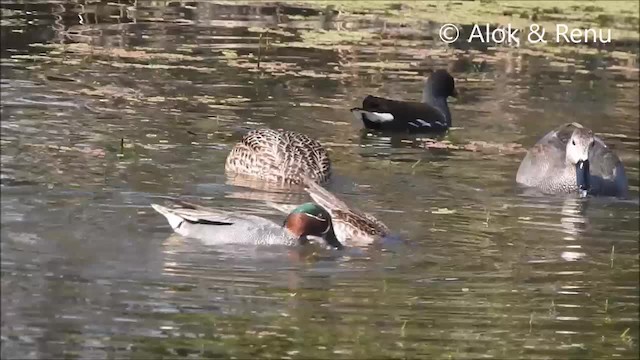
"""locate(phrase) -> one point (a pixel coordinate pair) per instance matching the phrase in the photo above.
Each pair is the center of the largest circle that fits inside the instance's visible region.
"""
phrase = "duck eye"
(573, 142)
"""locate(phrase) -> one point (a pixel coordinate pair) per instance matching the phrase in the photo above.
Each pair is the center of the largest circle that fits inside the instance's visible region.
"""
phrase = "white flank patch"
(373, 116)
(381, 117)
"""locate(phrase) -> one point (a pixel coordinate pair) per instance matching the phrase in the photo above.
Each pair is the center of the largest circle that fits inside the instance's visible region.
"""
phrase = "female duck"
(350, 226)
(431, 115)
(214, 227)
(569, 159)
(281, 157)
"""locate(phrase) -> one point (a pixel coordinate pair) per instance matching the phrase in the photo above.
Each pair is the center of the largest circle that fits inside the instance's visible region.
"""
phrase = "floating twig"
(613, 248)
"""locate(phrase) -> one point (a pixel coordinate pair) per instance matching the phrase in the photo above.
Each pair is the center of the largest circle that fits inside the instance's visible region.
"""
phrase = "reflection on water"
(574, 223)
(107, 106)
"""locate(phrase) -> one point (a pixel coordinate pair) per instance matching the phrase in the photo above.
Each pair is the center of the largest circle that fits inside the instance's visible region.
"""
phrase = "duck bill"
(455, 93)
(583, 177)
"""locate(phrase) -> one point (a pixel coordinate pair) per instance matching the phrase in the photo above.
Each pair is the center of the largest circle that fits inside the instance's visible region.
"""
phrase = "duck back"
(279, 156)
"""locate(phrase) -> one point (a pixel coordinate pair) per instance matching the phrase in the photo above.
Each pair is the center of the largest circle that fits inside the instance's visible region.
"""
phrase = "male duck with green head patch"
(213, 227)
(351, 226)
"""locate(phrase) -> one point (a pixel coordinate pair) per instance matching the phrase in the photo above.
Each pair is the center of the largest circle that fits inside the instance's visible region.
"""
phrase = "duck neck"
(439, 103)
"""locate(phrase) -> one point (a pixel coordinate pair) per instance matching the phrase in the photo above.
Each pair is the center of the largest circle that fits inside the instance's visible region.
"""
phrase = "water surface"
(105, 108)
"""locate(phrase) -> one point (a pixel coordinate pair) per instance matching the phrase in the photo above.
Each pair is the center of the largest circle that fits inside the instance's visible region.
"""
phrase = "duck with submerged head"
(215, 227)
(572, 159)
(430, 115)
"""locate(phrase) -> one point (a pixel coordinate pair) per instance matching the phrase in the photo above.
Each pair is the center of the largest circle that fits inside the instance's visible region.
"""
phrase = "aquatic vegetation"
(270, 31)
(473, 146)
(325, 37)
(621, 15)
(114, 52)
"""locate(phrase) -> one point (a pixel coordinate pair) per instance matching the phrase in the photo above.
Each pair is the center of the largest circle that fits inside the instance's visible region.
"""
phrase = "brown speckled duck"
(282, 157)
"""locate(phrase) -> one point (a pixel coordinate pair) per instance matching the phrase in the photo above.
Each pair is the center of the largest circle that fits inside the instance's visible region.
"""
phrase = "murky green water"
(90, 271)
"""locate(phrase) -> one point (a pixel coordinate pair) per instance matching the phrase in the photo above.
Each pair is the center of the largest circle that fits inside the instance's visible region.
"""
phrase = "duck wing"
(182, 211)
(608, 176)
(547, 155)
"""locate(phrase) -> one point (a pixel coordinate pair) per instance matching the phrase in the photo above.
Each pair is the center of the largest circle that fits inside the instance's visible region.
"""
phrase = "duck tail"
(174, 219)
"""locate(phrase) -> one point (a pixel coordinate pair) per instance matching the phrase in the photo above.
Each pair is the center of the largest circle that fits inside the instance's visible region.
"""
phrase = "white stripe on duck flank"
(376, 116)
